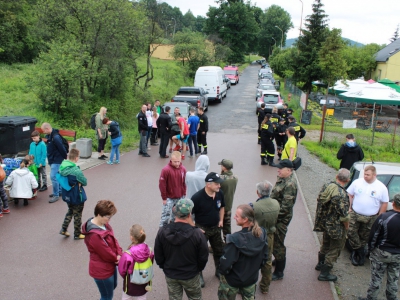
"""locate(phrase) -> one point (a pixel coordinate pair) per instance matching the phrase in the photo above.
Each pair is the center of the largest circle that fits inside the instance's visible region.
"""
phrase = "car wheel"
(219, 100)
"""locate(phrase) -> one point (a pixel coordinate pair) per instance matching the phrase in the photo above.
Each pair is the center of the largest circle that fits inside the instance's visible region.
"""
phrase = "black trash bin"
(15, 133)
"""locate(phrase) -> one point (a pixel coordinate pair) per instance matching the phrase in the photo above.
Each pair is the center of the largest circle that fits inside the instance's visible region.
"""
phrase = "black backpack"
(93, 121)
(65, 143)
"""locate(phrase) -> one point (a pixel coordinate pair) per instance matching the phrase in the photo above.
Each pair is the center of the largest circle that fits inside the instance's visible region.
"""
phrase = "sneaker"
(183, 157)
(6, 211)
(177, 148)
(54, 199)
(170, 150)
(79, 237)
(102, 158)
(43, 188)
(145, 155)
(116, 162)
(64, 232)
(109, 162)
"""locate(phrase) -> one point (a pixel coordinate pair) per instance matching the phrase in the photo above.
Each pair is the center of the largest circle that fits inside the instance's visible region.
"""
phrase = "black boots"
(199, 150)
(321, 261)
(271, 161)
(361, 256)
(43, 188)
(325, 275)
(279, 268)
(354, 258)
(263, 161)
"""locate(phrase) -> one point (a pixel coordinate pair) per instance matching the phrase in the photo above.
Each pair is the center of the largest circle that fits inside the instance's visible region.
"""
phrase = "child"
(22, 182)
(139, 252)
(39, 150)
(72, 193)
(32, 167)
(3, 196)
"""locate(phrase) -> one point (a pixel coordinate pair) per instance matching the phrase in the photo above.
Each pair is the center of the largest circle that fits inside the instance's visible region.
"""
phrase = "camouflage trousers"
(279, 249)
(76, 212)
(331, 248)
(191, 286)
(3, 197)
(226, 229)
(359, 229)
(166, 214)
(266, 270)
(227, 292)
(384, 262)
(213, 234)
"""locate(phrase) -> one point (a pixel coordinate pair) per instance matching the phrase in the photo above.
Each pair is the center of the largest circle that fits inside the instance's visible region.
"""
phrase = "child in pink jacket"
(139, 252)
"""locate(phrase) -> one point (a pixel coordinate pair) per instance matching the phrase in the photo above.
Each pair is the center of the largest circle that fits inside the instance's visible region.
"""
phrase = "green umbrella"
(390, 83)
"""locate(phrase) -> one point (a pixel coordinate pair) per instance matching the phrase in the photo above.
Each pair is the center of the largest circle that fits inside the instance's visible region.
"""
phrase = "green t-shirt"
(291, 143)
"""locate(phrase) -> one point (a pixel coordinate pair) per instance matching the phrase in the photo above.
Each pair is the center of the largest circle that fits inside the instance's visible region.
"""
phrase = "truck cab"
(232, 72)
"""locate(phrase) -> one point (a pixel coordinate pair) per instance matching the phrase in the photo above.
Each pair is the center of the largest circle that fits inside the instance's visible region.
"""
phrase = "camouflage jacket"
(285, 191)
(332, 210)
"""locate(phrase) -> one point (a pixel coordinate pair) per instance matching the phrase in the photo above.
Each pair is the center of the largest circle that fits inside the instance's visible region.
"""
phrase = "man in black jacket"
(244, 254)
(202, 132)
(143, 127)
(349, 153)
(384, 246)
(181, 252)
(164, 125)
(300, 132)
(260, 117)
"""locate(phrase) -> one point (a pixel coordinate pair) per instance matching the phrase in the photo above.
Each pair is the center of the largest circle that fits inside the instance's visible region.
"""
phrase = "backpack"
(93, 121)
(65, 143)
(142, 272)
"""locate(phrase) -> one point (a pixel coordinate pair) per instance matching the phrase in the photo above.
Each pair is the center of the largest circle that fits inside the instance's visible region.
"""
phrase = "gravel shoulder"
(352, 281)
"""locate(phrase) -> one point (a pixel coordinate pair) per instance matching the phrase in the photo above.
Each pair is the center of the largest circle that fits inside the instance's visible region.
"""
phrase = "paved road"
(38, 263)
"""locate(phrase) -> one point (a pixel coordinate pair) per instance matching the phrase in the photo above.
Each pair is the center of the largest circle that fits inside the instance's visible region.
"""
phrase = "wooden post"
(323, 123)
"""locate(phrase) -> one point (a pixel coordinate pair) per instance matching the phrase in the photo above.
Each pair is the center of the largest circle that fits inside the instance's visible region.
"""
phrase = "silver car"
(264, 87)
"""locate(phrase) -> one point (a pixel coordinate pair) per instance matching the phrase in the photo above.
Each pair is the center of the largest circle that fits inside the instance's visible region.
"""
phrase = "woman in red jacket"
(104, 249)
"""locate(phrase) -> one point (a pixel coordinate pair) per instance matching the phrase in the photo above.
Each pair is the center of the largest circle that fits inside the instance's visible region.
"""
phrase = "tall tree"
(361, 60)
(189, 20)
(307, 67)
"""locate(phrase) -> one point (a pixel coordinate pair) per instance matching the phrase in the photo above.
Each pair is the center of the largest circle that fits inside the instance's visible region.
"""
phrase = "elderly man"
(266, 211)
(285, 191)
(384, 246)
(244, 254)
(181, 252)
(332, 219)
(368, 198)
(228, 187)
(56, 153)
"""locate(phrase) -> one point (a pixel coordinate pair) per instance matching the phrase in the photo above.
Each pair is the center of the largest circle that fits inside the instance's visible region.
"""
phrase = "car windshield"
(188, 92)
(270, 98)
(266, 87)
(230, 72)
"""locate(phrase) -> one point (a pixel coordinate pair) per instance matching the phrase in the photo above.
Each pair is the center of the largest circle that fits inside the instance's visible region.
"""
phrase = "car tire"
(219, 100)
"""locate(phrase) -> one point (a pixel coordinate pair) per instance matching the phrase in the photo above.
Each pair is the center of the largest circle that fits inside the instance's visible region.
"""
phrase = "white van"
(212, 79)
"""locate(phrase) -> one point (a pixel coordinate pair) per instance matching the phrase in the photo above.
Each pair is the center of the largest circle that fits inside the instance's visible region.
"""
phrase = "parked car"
(232, 72)
(212, 80)
(271, 99)
(196, 96)
(184, 108)
(228, 83)
(388, 173)
(264, 87)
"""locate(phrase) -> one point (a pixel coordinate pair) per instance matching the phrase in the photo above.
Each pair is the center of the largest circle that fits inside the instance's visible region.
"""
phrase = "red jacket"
(103, 248)
(172, 182)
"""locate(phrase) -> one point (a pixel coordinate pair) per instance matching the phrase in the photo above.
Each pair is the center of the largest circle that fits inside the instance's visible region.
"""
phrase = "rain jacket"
(22, 181)
(244, 254)
(349, 153)
(195, 180)
(181, 250)
(139, 253)
(39, 151)
(103, 248)
(56, 152)
(74, 175)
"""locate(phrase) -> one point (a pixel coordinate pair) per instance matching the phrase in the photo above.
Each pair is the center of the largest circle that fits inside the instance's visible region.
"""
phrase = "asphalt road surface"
(38, 263)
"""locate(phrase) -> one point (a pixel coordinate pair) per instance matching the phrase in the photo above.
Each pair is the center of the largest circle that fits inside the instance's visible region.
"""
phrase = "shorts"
(185, 140)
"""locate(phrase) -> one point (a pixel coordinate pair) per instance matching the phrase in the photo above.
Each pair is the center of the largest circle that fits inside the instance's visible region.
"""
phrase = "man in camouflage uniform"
(285, 191)
(384, 246)
(332, 219)
(228, 187)
(266, 211)
(244, 254)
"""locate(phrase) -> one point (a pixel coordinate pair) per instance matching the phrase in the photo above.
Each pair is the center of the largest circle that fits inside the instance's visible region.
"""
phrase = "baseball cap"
(291, 117)
(285, 163)
(226, 163)
(183, 208)
(396, 200)
(213, 177)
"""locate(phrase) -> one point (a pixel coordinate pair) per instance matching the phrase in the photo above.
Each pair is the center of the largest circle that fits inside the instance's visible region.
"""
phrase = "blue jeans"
(114, 150)
(107, 286)
(53, 172)
(193, 139)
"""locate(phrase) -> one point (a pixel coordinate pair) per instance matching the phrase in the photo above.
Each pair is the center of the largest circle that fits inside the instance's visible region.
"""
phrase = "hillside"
(290, 42)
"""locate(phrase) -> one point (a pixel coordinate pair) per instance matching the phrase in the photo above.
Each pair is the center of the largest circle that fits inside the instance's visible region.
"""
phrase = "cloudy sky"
(360, 20)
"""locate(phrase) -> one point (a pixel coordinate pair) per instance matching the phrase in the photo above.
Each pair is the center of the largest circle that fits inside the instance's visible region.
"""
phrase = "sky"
(362, 21)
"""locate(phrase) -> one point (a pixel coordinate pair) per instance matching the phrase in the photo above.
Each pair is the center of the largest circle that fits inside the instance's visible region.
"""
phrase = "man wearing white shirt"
(368, 199)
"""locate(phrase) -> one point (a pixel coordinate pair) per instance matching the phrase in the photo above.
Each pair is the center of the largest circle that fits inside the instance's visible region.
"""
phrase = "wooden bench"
(68, 134)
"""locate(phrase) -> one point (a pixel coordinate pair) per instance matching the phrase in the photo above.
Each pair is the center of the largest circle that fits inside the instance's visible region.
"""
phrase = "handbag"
(117, 141)
(296, 162)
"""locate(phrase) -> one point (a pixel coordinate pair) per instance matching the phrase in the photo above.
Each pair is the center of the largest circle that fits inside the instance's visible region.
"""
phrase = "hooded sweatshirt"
(181, 250)
(74, 175)
(22, 181)
(349, 153)
(103, 248)
(68, 167)
(138, 253)
(195, 180)
(172, 182)
(244, 254)
(39, 151)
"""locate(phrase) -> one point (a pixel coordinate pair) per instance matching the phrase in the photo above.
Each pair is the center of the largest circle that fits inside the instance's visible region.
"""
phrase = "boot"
(202, 283)
(279, 268)
(271, 161)
(325, 275)
(199, 150)
(354, 258)
(263, 162)
(205, 151)
(43, 188)
(321, 261)
(361, 256)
